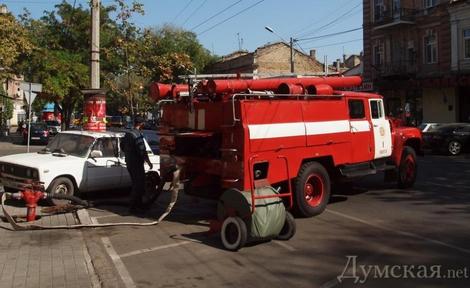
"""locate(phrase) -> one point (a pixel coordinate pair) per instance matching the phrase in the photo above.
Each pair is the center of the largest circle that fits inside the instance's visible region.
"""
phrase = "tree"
(15, 45)
(169, 51)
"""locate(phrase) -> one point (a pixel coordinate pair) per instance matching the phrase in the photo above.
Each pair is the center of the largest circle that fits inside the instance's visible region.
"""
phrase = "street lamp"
(291, 45)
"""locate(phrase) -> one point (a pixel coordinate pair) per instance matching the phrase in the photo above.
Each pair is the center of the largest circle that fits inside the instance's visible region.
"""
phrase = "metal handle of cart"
(252, 185)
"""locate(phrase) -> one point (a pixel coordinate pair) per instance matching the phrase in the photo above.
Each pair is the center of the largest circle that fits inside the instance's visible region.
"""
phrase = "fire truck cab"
(298, 135)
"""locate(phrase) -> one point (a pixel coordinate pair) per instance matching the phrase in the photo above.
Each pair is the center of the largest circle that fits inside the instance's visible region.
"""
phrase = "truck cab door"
(381, 129)
(360, 128)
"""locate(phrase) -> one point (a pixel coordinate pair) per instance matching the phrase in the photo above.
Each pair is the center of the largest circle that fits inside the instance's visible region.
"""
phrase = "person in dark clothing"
(135, 153)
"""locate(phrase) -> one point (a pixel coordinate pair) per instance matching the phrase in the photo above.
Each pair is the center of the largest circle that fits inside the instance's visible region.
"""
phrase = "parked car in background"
(39, 133)
(428, 127)
(53, 126)
(76, 161)
(449, 138)
(153, 140)
(115, 121)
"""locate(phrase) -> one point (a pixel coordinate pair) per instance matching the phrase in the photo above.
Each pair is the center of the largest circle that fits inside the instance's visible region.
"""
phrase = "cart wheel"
(234, 233)
(289, 228)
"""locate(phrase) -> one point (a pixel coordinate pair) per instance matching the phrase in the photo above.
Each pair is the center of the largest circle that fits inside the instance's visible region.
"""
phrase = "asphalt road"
(371, 235)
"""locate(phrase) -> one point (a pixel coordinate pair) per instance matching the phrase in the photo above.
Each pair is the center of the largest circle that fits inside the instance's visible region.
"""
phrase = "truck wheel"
(234, 233)
(454, 147)
(289, 228)
(408, 168)
(61, 185)
(312, 189)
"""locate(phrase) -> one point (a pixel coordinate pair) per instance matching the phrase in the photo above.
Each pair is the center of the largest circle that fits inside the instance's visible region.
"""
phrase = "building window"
(430, 48)
(429, 3)
(379, 10)
(466, 43)
(379, 53)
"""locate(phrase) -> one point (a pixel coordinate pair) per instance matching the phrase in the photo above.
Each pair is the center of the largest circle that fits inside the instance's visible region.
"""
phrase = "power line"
(326, 16)
(194, 12)
(337, 43)
(216, 14)
(181, 11)
(329, 35)
(233, 16)
(341, 17)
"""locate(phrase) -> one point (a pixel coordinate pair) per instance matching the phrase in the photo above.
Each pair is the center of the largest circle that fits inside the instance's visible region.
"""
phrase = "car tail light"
(46, 133)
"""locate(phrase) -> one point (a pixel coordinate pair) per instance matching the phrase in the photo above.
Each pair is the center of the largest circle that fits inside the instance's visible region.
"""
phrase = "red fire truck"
(298, 135)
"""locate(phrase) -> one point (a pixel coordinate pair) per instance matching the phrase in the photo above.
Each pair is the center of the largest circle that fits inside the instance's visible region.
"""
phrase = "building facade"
(14, 92)
(267, 61)
(408, 56)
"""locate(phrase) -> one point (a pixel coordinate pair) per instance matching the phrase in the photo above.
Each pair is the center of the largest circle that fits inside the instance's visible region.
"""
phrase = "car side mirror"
(96, 154)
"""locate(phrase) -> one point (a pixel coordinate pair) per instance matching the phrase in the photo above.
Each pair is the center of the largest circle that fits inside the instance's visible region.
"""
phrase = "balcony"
(397, 68)
(394, 17)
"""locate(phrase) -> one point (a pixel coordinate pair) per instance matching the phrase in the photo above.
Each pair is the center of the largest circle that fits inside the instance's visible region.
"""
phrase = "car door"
(125, 178)
(104, 171)
(381, 129)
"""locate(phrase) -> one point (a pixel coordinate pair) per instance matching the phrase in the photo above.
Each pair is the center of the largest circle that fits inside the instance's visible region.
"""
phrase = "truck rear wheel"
(312, 189)
(408, 168)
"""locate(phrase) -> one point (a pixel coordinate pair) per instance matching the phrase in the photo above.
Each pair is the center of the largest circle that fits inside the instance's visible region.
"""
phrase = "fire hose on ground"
(32, 198)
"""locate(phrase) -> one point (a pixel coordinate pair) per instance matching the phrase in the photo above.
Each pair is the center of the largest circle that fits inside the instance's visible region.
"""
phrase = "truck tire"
(408, 168)
(234, 233)
(289, 228)
(312, 189)
(61, 185)
(454, 147)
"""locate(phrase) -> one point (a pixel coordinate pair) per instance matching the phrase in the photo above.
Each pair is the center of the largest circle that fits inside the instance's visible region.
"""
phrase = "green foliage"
(15, 45)
(131, 58)
(7, 110)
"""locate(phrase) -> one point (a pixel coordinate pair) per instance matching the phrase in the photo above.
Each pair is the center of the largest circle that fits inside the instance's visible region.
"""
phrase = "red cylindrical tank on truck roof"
(159, 90)
(240, 85)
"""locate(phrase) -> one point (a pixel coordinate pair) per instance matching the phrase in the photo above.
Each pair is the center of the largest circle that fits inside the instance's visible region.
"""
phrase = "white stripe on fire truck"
(280, 130)
(360, 126)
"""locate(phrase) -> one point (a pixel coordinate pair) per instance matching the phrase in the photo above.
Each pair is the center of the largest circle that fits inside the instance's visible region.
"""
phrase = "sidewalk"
(44, 258)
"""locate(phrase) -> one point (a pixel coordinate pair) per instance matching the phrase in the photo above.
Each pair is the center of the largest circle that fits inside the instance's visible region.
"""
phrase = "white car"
(75, 161)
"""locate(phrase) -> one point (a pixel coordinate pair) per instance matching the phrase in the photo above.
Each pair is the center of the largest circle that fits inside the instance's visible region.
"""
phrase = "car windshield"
(151, 137)
(72, 144)
(52, 123)
(38, 126)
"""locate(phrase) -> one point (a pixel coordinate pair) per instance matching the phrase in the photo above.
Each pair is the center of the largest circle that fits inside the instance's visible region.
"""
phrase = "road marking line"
(409, 234)
(121, 268)
(146, 250)
(95, 282)
(284, 245)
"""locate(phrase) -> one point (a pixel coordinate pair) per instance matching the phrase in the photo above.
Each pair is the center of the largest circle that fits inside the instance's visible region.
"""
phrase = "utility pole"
(94, 104)
(291, 55)
(95, 45)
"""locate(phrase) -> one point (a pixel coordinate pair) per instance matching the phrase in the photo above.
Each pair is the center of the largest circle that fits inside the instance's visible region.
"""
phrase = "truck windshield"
(71, 144)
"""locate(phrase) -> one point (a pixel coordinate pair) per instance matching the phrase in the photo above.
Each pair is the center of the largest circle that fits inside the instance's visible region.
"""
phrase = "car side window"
(107, 146)
(356, 109)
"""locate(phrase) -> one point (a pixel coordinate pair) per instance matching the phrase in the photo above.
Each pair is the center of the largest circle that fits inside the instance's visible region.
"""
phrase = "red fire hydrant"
(31, 195)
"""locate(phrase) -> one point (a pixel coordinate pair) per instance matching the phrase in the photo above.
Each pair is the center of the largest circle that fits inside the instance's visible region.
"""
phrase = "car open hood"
(35, 160)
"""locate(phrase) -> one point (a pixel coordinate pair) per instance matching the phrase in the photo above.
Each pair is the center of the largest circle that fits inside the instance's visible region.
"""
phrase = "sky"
(223, 26)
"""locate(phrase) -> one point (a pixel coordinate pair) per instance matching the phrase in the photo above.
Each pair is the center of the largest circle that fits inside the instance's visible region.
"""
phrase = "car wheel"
(63, 186)
(153, 188)
(408, 168)
(454, 147)
(312, 189)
